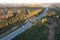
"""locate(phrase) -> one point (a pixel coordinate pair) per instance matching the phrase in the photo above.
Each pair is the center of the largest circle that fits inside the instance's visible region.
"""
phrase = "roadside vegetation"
(14, 17)
(43, 28)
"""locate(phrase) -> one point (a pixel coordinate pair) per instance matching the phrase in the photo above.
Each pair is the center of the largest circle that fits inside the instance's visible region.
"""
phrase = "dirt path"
(51, 28)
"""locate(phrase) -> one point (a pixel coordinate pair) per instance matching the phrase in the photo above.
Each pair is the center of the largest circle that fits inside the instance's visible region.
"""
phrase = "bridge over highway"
(24, 27)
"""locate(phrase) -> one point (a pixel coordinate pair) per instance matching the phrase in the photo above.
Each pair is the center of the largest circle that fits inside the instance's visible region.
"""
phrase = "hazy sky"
(29, 1)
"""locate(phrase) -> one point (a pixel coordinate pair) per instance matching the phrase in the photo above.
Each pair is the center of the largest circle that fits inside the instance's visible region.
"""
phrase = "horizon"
(29, 1)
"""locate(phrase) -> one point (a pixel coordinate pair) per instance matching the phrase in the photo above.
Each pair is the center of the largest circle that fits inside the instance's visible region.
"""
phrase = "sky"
(29, 1)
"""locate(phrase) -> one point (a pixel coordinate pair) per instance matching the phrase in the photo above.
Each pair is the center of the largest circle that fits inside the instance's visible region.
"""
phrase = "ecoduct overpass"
(24, 27)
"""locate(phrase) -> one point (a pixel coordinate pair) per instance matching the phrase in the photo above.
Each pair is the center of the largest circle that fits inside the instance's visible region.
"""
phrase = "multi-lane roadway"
(24, 27)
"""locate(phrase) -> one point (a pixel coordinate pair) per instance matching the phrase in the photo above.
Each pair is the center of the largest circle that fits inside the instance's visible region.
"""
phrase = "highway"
(23, 28)
(26, 18)
(18, 31)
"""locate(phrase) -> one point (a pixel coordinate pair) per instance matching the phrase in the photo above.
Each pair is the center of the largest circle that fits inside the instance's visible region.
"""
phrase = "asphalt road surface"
(23, 28)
